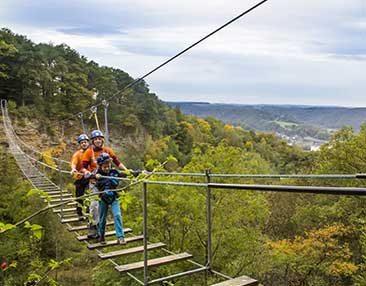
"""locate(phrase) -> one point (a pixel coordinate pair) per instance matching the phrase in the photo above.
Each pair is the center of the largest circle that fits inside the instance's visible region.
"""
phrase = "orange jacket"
(77, 160)
(90, 157)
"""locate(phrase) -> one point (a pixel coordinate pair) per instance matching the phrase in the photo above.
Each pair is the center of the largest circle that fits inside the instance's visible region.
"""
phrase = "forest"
(277, 238)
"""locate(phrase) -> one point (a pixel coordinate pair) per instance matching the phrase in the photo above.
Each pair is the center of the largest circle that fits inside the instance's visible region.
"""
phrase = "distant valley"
(308, 126)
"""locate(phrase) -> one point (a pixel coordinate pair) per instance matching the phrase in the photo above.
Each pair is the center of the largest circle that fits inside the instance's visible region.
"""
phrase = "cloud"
(285, 51)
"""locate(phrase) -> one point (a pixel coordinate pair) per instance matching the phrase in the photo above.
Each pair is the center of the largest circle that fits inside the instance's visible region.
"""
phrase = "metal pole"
(82, 122)
(146, 282)
(106, 104)
(209, 222)
(61, 187)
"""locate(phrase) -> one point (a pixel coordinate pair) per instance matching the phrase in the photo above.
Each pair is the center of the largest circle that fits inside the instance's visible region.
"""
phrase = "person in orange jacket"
(81, 183)
(89, 168)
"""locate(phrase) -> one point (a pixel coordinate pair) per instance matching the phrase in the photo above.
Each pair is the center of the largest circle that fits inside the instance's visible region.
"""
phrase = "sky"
(306, 52)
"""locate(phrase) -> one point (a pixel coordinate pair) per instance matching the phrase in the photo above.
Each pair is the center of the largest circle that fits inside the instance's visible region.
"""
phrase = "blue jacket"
(108, 184)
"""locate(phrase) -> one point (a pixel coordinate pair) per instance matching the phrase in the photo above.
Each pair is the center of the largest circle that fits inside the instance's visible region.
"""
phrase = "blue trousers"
(116, 210)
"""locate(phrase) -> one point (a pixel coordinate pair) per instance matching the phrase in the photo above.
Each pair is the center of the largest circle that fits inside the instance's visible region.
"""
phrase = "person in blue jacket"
(109, 197)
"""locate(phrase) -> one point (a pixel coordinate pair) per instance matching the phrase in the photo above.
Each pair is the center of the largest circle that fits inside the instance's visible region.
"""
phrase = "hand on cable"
(87, 174)
(97, 176)
(135, 173)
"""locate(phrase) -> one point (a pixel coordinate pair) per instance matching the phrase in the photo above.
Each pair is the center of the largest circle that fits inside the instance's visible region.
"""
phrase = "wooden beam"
(114, 242)
(153, 262)
(129, 251)
(84, 227)
(108, 233)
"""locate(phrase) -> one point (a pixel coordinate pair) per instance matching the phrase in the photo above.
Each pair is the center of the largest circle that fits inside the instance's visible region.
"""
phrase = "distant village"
(308, 143)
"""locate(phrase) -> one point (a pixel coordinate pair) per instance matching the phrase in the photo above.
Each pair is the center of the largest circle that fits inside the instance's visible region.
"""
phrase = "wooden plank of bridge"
(69, 215)
(68, 204)
(53, 189)
(58, 196)
(114, 242)
(59, 200)
(73, 219)
(108, 233)
(240, 281)
(153, 262)
(56, 192)
(84, 227)
(64, 210)
(129, 251)
(43, 185)
(41, 182)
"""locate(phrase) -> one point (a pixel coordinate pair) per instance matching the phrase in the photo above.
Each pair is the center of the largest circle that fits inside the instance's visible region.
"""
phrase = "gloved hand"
(87, 174)
(135, 173)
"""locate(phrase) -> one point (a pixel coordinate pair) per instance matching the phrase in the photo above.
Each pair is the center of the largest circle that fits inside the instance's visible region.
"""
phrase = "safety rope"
(106, 104)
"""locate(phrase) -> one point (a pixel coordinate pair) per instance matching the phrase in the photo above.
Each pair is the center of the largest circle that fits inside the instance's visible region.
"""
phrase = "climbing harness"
(93, 110)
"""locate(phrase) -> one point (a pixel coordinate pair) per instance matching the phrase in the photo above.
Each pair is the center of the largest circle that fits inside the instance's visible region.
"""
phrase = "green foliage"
(6, 51)
(41, 193)
(35, 228)
(5, 227)
(321, 256)
(125, 199)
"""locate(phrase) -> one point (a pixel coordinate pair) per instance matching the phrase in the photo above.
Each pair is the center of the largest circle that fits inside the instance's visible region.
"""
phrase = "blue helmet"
(96, 133)
(103, 158)
(83, 137)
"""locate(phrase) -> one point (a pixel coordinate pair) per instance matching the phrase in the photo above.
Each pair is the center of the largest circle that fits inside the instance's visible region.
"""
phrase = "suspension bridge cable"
(10, 126)
(134, 82)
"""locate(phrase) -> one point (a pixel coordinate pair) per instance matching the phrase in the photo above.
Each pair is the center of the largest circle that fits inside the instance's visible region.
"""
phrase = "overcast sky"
(285, 52)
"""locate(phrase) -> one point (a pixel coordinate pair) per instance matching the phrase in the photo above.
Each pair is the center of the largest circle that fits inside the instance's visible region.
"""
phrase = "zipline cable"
(134, 82)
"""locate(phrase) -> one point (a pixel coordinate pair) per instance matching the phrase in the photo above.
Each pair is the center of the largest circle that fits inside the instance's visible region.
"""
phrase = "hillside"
(315, 122)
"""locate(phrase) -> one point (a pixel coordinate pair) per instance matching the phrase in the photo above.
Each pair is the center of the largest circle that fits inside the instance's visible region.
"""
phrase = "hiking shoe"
(121, 240)
(93, 232)
(79, 211)
(101, 240)
(82, 218)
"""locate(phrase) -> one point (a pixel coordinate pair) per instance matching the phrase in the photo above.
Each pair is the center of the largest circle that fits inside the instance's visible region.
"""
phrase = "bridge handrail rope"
(10, 126)
(248, 176)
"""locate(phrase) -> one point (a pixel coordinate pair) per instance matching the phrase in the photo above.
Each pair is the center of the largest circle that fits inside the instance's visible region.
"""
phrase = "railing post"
(61, 187)
(209, 222)
(145, 233)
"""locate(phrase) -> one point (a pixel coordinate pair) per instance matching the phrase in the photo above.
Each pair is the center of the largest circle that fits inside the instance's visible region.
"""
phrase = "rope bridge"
(63, 204)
